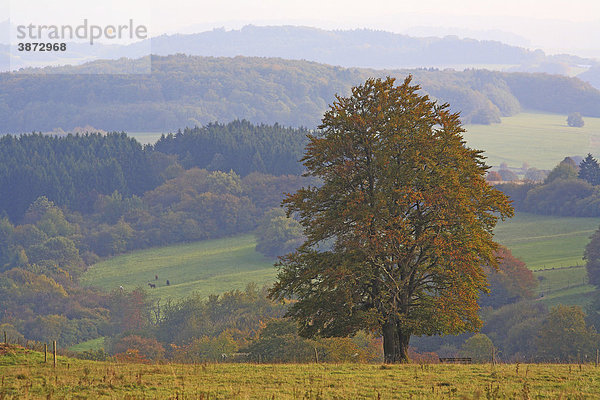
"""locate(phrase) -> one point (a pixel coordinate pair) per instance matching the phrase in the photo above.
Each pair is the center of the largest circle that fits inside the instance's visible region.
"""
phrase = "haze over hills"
(190, 90)
(362, 48)
(347, 48)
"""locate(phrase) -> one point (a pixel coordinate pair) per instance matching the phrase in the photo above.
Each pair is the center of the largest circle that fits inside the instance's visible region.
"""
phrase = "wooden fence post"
(45, 353)
(54, 351)
(5, 342)
(597, 356)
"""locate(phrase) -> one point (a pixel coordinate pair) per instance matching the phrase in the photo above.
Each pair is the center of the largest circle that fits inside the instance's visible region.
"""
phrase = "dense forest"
(70, 170)
(189, 91)
(239, 146)
(74, 170)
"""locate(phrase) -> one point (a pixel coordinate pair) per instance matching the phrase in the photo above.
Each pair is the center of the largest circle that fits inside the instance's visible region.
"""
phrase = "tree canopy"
(406, 205)
(589, 170)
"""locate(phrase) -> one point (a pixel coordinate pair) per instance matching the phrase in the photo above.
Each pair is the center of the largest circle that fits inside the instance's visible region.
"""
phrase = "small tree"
(508, 175)
(566, 169)
(479, 347)
(510, 282)
(535, 175)
(575, 120)
(591, 256)
(589, 170)
(406, 205)
(564, 335)
(277, 234)
(493, 176)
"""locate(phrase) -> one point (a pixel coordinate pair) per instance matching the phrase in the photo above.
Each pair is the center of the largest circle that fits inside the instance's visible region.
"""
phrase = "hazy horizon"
(552, 27)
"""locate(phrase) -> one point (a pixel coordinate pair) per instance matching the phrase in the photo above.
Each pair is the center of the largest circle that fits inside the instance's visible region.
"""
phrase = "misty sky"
(552, 25)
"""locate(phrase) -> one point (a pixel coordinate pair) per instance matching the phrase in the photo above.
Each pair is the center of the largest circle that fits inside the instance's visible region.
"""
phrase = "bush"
(479, 347)
(147, 348)
(575, 120)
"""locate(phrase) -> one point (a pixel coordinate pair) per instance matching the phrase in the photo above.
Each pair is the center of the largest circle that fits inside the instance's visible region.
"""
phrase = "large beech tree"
(400, 227)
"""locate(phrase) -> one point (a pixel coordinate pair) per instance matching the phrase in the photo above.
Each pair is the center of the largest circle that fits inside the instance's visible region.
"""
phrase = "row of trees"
(568, 190)
(72, 170)
(247, 326)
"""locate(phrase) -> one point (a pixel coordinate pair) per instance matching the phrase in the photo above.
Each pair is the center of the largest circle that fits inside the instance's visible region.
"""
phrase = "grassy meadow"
(215, 266)
(206, 267)
(542, 241)
(539, 139)
(24, 375)
(553, 248)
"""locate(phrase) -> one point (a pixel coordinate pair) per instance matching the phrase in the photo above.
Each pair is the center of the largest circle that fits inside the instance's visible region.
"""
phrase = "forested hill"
(187, 91)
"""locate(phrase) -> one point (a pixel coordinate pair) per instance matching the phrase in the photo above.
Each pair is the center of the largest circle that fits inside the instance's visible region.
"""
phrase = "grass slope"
(541, 140)
(215, 266)
(24, 375)
(92, 344)
(207, 267)
(546, 241)
(547, 245)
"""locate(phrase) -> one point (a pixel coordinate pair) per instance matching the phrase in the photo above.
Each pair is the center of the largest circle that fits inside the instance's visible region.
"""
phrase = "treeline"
(71, 170)
(240, 146)
(74, 170)
(237, 326)
(568, 190)
(189, 91)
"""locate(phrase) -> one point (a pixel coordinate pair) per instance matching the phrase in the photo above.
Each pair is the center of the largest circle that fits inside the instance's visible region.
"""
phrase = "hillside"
(188, 91)
(545, 243)
(553, 248)
(205, 268)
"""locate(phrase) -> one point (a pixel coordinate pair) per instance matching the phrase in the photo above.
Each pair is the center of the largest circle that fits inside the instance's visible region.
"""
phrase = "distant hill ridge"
(191, 90)
(365, 48)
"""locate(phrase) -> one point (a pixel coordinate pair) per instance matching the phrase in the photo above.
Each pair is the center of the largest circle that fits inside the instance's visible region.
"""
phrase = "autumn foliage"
(410, 215)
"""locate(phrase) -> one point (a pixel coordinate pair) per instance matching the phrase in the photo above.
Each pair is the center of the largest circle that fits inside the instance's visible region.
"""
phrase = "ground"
(25, 376)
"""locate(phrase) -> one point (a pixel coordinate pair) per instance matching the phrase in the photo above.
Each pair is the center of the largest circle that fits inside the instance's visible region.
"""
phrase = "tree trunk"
(395, 343)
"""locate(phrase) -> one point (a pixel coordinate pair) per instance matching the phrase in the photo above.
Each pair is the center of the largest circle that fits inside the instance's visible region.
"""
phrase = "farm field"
(206, 267)
(92, 344)
(24, 375)
(539, 139)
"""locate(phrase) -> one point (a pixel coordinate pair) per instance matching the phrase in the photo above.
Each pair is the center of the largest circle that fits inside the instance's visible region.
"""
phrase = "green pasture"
(548, 245)
(93, 344)
(546, 241)
(540, 140)
(207, 267)
(216, 266)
